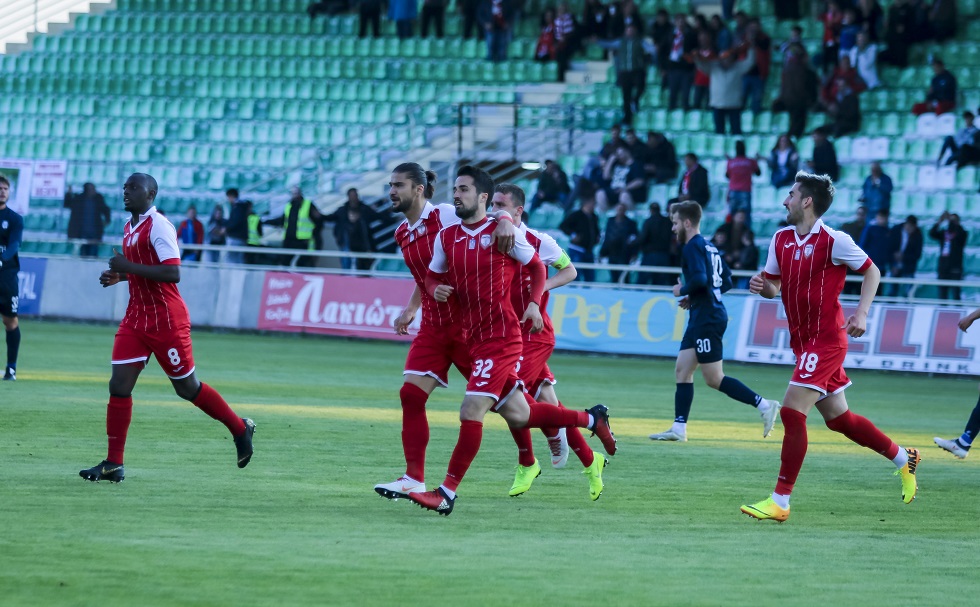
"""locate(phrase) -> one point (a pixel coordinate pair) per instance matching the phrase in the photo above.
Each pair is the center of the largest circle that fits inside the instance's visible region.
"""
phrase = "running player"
(960, 447)
(706, 277)
(440, 343)
(11, 233)
(466, 266)
(156, 322)
(807, 264)
(537, 348)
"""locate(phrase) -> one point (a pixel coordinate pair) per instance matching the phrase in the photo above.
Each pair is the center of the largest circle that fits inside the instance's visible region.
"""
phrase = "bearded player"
(156, 322)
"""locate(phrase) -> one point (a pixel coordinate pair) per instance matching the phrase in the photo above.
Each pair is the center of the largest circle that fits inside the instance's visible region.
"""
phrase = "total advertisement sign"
(923, 338)
(30, 282)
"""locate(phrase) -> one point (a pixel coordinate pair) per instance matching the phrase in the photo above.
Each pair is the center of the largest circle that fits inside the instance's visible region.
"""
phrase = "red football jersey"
(416, 242)
(153, 306)
(520, 294)
(812, 271)
(481, 277)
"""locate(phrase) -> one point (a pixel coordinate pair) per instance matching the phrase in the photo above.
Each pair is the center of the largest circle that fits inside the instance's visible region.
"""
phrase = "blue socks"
(683, 398)
(13, 345)
(735, 389)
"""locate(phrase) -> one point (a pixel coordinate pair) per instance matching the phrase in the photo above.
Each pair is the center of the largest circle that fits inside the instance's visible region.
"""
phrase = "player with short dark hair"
(537, 348)
(11, 235)
(705, 277)
(156, 322)
(466, 267)
(807, 264)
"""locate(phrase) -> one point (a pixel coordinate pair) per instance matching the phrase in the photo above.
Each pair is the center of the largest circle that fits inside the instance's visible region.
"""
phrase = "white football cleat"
(559, 449)
(399, 488)
(670, 435)
(953, 446)
(769, 416)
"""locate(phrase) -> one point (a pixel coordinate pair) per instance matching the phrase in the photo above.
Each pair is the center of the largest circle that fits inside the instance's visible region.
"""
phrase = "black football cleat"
(10, 374)
(106, 471)
(243, 443)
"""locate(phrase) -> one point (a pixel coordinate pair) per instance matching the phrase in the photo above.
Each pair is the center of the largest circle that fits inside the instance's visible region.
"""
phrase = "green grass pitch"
(302, 526)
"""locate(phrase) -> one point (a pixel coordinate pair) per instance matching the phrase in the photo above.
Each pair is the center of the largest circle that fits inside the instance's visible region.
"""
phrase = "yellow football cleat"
(907, 472)
(594, 474)
(524, 477)
(767, 510)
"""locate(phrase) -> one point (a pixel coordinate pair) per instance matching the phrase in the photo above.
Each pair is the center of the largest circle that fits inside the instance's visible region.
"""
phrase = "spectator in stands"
(747, 259)
(622, 15)
(298, 219)
(952, 240)
(702, 82)
(797, 90)
(595, 20)
(662, 31)
(876, 241)
(680, 71)
(191, 231)
(899, 31)
(849, 30)
(496, 17)
(964, 146)
(254, 223)
(741, 25)
(619, 241)
(403, 13)
(661, 162)
(864, 58)
(88, 219)
(468, 9)
(732, 232)
(433, 11)
(854, 229)
(832, 20)
(217, 231)
(615, 141)
(623, 181)
(370, 14)
(640, 150)
(236, 228)
(552, 185)
(726, 88)
(844, 110)
(739, 172)
(631, 71)
(824, 160)
(545, 50)
(906, 245)
(942, 19)
(566, 40)
(784, 162)
(877, 194)
(754, 81)
(720, 34)
(844, 74)
(582, 228)
(795, 38)
(653, 244)
(352, 230)
(694, 183)
(941, 96)
(786, 10)
(872, 19)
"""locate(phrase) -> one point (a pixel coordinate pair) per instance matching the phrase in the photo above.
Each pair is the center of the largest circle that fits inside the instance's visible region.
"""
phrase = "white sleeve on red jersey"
(163, 237)
(772, 260)
(439, 264)
(522, 250)
(549, 251)
(845, 251)
(447, 215)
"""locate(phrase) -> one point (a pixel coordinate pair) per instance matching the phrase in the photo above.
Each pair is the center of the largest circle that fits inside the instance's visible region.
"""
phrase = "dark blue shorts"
(9, 290)
(706, 341)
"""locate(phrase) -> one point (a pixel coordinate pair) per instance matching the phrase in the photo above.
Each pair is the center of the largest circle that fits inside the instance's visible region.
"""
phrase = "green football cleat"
(907, 472)
(594, 474)
(766, 510)
(524, 477)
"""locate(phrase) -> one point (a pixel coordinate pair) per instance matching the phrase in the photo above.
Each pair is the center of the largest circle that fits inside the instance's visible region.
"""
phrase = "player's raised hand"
(965, 322)
(677, 287)
(857, 324)
(404, 319)
(442, 293)
(109, 278)
(504, 235)
(118, 263)
(756, 284)
(533, 313)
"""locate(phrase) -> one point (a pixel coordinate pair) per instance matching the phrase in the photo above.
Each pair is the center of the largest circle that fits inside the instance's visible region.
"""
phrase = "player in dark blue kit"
(706, 277)
(11, 233)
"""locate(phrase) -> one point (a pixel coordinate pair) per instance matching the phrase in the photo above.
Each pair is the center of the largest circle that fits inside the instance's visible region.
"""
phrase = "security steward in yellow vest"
(254, 238)
(299, 219)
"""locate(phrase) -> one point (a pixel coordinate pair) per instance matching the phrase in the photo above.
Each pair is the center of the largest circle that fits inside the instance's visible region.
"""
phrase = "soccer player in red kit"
(537, 348)
(807, 264)
(156, 322)
(468, 268)
(440, 342)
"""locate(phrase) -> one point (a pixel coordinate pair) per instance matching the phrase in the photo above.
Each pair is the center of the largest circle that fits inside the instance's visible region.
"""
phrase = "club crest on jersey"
(808, 250)
(4, 225)
(420, 230)
(485, 240)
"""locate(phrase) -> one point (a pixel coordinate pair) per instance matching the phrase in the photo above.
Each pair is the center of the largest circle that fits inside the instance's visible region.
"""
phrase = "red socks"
(863, 432)
(576, 442)
(415, 430)
(525, 451)
(544, 415)
(794, 449)
(468, 445)
(117, 417)
(209, 401)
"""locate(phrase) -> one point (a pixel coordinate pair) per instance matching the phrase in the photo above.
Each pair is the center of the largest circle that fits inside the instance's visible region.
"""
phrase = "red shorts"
(495, 368)
(821, 368)
(171, 348)
(434, 350)
(533, 366)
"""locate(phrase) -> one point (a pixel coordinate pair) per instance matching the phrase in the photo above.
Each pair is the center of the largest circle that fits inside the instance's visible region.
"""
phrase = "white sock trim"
(902, 458)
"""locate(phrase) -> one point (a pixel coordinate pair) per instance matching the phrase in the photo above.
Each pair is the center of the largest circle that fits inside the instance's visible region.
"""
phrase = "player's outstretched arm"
(159, 273)
(969, 319)
(565, 274)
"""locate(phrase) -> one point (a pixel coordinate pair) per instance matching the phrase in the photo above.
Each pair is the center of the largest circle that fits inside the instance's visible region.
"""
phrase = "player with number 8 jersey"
(157, 323)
